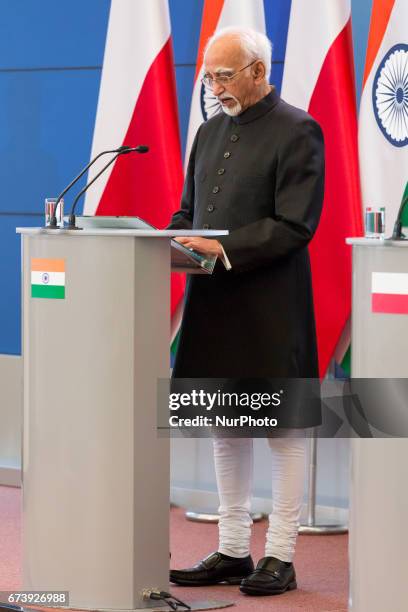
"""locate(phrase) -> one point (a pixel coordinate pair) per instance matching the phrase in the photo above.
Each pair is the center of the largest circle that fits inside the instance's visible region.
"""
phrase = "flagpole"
(311, 527)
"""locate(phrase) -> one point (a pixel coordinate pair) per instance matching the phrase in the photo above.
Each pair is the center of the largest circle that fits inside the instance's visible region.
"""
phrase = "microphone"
(53, 220)
(138, 149)
(397, 232)
(122, 151)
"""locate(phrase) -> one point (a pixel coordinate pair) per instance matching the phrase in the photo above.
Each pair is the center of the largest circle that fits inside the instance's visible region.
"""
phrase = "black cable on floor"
(170, 599)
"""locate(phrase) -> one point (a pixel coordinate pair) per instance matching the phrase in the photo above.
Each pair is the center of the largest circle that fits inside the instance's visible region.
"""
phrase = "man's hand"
(202, 245)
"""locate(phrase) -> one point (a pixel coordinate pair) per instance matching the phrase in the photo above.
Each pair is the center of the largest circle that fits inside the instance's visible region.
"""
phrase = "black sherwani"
(261, 176)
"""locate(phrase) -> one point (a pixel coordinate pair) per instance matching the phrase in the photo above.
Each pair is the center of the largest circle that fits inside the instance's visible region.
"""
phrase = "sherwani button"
(227, 154)
(216, 189)
(210, 207)
(220, 170)
(234, 137)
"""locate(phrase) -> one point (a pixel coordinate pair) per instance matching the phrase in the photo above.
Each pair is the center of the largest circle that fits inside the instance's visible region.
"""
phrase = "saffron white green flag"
(218, 14)
(48, 278)
(383, 120)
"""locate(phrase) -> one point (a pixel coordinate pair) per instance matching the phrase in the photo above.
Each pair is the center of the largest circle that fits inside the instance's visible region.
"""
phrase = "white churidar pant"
(233, 459)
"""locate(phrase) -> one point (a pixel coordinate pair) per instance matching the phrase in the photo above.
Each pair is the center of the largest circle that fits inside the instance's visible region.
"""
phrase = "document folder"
(182, 259)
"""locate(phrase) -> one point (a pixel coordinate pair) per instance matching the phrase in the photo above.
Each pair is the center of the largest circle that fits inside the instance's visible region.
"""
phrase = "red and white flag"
(319, 77)
(137, 105)
(218, 14)
(383, 120)
(389, 292)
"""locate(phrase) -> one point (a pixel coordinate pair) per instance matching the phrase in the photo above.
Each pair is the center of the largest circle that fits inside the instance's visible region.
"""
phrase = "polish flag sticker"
(389, 292)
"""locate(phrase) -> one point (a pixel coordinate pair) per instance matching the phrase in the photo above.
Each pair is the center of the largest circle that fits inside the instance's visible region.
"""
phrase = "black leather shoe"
(214, 569)
(271, 577)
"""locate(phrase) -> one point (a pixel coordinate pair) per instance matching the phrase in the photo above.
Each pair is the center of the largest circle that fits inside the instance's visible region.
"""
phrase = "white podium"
(378, 492)
(95, 473)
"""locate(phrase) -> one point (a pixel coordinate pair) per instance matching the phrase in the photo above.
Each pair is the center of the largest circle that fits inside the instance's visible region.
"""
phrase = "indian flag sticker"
(48, 278)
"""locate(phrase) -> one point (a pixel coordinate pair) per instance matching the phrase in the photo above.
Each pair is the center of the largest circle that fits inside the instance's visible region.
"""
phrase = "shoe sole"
(234, 580)
(248, 590)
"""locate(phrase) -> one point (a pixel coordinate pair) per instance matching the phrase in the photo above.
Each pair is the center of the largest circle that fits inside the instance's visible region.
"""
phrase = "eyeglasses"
(222, 79)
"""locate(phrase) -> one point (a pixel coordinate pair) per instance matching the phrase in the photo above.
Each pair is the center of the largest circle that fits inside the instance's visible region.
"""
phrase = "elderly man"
(256, 169)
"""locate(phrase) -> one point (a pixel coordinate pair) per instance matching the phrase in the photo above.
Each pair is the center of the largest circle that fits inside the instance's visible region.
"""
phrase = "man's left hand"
(202, 245)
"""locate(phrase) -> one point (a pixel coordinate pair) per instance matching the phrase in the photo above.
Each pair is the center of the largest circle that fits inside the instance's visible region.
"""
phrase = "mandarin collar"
(259, 109)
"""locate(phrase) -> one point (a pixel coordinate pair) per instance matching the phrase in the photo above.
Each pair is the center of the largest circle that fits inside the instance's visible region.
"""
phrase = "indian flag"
(217, 14)
(383, 121)
(389, 292)
(48, 278)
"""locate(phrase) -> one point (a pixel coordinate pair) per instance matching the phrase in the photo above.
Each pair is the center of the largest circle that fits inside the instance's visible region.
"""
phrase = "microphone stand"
(139, 149)
(71, 221)
(53, 220)
(397, 232)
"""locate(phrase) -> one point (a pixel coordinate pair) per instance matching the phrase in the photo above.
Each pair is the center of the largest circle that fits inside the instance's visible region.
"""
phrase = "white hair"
(255, 44)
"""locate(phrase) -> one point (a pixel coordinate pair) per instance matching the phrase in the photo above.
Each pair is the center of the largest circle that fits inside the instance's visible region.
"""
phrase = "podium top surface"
(376, 242)
(34, 231)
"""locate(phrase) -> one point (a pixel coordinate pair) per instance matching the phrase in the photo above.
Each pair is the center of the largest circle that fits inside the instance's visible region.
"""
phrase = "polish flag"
(137, 105)
(218, 14)
(389, 292)
(319, 78)
(383, 120)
